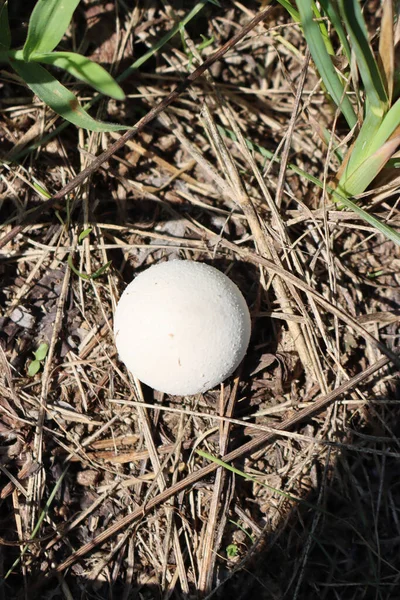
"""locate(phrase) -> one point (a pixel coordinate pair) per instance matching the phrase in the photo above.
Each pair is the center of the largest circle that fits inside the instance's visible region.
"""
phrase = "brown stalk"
(217, 516)
(247, 448)
(128, 135)
(386, 56)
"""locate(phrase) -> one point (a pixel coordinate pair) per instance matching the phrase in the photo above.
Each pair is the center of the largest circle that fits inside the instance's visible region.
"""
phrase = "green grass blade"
(84, 276)
(5, 34)
(303, 501)
(76, 271)
(164, 40)
(40, 520)
(47, 25)
(292, 11)
(124, 75)
(323, 61)
(84, 69)
(228, 133)
(242, 529)
(248, 477)
(101, 270)
(323, 29)
(332, 13)
(84, 234)
(337, 197)
(55, 95)
(361, 177)
(386, 230)
(388, 126)
(296, 18)
(365, 143)
(367, 65)
(374, 133)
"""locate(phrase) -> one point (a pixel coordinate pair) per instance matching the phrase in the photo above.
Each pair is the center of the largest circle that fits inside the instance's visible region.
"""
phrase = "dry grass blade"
(37, 482)
(386, 47)
(230, 166)
(247, 448)
(217, 516)
(265, 246)
(301, 285)
(151, 115)
(160, 479)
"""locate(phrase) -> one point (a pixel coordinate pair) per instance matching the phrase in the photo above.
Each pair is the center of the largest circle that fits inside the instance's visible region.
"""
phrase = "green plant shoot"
(48, 23)
(376, 123)
(40, 354)
(232, 551)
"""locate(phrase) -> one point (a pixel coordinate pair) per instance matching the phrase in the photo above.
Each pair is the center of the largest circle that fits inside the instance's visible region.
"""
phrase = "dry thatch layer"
(319, 517)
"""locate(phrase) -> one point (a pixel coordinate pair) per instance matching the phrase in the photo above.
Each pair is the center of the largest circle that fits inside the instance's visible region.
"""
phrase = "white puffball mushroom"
(182, 327)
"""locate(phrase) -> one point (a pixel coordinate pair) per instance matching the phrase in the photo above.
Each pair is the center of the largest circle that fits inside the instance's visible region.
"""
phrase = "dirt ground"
(84, 449)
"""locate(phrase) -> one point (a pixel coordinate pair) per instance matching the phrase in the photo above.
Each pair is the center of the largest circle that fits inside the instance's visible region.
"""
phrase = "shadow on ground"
(341, 542)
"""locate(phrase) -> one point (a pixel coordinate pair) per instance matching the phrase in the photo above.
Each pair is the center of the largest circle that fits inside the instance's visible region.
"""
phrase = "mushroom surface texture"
(182, 327)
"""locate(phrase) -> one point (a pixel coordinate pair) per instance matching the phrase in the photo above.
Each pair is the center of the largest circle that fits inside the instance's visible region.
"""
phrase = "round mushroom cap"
(182, 327)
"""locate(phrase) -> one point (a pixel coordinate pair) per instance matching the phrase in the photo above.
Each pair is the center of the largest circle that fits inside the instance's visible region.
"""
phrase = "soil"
(313, 513)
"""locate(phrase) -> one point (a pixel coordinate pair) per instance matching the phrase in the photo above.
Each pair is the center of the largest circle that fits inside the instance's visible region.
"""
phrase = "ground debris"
(302, 516)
